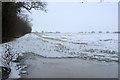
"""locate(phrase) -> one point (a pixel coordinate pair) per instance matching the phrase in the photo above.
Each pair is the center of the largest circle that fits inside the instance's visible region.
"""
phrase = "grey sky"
(76, 17)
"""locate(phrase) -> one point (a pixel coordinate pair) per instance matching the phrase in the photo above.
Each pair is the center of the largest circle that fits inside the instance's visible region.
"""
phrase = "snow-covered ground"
(92, 46)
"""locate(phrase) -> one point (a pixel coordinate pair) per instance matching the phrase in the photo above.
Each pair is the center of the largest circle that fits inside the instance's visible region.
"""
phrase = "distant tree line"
(100, 32)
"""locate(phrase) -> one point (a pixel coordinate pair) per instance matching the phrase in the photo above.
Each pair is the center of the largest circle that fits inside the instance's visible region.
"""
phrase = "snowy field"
(101, 46)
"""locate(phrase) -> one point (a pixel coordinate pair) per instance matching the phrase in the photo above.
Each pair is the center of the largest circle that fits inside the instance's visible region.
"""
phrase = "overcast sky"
(76, 17)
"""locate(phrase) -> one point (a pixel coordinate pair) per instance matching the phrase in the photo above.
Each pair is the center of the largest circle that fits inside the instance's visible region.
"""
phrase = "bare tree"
(13, 25)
